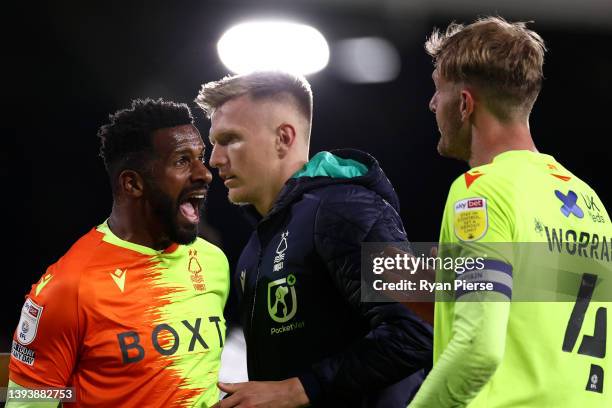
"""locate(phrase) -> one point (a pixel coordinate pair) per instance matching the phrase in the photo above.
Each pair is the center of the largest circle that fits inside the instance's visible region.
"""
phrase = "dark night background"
(69, 64)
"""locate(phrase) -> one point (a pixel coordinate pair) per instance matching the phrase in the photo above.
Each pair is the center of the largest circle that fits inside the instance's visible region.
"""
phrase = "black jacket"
(300, 299)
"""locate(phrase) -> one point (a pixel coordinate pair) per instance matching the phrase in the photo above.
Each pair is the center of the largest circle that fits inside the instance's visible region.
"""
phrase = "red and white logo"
(475, 203)
(28, 324)
(33, 311)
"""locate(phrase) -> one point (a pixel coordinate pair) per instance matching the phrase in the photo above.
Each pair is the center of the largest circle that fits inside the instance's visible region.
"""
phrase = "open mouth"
(191, 205)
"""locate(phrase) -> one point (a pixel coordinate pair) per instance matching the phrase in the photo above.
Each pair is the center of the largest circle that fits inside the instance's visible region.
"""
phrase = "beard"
(167, 212)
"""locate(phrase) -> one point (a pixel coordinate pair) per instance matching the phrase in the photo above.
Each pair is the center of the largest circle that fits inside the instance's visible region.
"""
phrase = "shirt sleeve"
(398, 343)
(471, 357)
(18, 403)
(45, 344)
(476, 222)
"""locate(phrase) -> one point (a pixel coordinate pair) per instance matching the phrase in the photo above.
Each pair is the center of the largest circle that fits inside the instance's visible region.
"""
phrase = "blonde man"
(310, 340)
(524, 353)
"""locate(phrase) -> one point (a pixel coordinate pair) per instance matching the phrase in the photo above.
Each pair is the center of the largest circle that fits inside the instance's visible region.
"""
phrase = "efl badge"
(195, 269)
(282, 299)
(28, 324)
(471, 219)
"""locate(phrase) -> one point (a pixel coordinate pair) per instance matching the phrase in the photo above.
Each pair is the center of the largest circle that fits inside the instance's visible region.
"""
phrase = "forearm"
(395, 348)
(471, 357)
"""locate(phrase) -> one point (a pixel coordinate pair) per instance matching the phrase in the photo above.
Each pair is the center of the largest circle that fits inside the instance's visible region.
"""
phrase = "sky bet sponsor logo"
(477, 203)
(32, 311)
(471, 203)
(133, 352)
(579, 243)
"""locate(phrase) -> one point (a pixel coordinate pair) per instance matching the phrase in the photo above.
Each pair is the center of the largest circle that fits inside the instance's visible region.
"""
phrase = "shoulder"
(350, 212)
(208, 247)
(215, 264)
(83, 249)
(490, 187)
(344, 192)
(210, 251)
(350, 201)
(480, 206)
(57, 292)
(65, 274)
(489, 179)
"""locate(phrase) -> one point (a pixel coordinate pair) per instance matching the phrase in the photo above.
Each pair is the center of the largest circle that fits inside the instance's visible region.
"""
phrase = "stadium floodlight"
(273, 45)
(367, 60)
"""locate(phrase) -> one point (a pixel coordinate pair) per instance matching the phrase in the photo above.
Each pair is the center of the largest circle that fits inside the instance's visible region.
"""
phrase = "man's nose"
(217, 158)
(432, 104)
(201, 172)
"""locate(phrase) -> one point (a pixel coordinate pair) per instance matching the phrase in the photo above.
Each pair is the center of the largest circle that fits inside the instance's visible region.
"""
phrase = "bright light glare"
(367, 60)
(273, 45)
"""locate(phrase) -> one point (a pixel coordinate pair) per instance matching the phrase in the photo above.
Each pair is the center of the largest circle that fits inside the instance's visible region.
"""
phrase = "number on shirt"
(595, 345)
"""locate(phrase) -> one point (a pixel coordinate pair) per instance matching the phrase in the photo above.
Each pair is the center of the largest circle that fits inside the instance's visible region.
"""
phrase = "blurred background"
(67, 65)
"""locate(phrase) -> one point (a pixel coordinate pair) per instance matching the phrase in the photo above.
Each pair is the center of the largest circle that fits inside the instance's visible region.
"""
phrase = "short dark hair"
(126, 141)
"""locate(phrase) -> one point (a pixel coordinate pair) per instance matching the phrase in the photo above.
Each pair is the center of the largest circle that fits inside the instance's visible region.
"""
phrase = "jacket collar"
(342, 166)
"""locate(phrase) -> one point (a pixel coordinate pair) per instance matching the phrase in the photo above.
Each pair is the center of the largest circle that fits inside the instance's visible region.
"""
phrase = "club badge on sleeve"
(28, 323)
(470, 218)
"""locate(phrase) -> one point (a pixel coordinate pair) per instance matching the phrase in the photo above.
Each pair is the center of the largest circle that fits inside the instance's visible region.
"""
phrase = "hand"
(264, 394)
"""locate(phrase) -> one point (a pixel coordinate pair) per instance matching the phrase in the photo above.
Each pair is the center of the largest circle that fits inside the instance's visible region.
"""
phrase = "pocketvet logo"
(119, 278)
(282, 299)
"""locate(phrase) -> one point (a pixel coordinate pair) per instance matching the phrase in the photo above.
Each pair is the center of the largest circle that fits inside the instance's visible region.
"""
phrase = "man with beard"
(310, 339)
(514, 208)
(132, 314)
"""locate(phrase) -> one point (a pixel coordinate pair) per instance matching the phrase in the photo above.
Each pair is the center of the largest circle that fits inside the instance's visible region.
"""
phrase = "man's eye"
(182, 161)
(226, 140)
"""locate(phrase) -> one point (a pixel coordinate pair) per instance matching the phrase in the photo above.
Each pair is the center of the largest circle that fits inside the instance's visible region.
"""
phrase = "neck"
(491, 138)
(132, 224)
(264, 206)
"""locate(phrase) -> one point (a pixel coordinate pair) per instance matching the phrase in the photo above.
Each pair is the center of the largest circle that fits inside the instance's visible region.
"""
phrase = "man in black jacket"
(310, 340)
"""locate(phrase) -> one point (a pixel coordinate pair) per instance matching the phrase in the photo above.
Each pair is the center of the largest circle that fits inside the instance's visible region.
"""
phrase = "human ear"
(131, 183)
(285, 138)
(467, 104)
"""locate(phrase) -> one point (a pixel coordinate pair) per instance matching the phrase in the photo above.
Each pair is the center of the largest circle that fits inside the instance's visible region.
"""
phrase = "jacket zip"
(259, 256)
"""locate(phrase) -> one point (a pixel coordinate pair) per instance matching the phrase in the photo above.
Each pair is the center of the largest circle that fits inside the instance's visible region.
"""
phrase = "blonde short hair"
(258, 85)
(503, 60)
